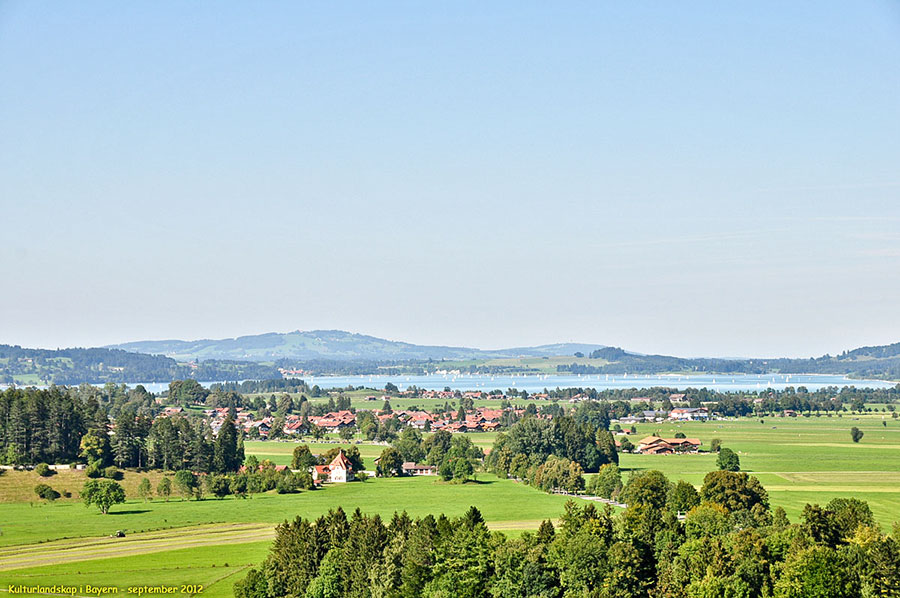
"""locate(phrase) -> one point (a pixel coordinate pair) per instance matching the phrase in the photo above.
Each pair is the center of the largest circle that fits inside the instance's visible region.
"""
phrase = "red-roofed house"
(340, 469)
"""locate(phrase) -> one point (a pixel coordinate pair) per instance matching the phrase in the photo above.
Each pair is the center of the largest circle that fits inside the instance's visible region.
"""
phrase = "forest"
(75, 366)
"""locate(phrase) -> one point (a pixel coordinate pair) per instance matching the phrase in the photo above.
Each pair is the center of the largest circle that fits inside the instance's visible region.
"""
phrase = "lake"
(538, 382)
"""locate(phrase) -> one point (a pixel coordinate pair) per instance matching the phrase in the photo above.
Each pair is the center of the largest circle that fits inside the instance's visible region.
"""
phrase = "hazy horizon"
(690, 179)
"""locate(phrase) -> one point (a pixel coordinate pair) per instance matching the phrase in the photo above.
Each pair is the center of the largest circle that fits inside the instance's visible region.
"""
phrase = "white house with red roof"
(340, 469)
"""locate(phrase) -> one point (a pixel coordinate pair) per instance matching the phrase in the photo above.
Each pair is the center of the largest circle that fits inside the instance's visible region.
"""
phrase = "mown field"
(211, 542)
(191, 541)
(799, 460)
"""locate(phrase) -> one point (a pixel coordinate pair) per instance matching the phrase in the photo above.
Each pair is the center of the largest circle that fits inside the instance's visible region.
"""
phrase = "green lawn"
(216, 568)
(798, 460)
(506, 506)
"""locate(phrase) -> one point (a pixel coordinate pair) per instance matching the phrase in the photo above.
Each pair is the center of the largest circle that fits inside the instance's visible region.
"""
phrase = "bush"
(46, 492)
(288, 484)
(112, 473)
(94, 470)
(43, 470)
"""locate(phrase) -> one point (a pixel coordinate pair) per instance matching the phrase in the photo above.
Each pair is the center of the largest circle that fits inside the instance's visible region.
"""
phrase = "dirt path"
(85, 549)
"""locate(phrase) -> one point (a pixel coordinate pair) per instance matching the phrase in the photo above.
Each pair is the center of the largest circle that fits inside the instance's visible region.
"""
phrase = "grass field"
(190, 541)
(799, 460)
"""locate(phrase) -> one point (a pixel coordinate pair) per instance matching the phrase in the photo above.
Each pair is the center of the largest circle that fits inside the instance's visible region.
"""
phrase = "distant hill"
(323, 352)
(335, 345)
(74, 366)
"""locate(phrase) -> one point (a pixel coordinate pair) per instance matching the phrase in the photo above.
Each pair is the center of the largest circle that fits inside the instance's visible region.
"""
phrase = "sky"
(690, 178)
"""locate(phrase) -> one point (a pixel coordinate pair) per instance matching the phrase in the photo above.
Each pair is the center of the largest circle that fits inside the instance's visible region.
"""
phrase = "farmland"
(200, 536)
(799, 460)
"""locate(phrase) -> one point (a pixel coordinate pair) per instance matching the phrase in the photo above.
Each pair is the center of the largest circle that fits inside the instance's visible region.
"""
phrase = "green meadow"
(799, 460)
(211, 542)
(191, 541)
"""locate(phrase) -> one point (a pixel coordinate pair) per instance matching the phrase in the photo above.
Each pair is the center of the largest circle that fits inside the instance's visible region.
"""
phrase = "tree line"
(730, 544)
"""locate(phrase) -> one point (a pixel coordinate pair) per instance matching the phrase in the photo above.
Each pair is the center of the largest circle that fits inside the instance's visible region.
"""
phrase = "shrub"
(112, 473)
(46, 492)
(43, 470)
(288, 484)
(94, 470)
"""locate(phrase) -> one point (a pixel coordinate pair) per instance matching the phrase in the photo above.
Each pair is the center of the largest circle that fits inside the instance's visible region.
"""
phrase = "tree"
(462, 469)
(217, 485)
(95, 447)
(103, 494)
(225, 452)
(410, 445)
(606, 446)
(734, 491)
(714, 445)
(607, 483)
(328, 582)
(145, 491)
(648, 488)
(185, 483)
(817, 572)
(850, 513)
(390, 464)
(856, 434)
(683, 497)
(302, 458)
(164, 488)
(728, 460)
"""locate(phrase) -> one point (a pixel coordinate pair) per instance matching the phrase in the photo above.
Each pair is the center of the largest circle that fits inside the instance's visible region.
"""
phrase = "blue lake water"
(537, 383)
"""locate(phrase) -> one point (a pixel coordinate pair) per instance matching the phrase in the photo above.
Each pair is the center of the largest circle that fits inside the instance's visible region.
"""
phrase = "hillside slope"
(332, 345)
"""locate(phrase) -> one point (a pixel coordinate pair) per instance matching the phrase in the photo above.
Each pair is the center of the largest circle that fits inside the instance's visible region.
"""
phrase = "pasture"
(191, 541)
(799, 460)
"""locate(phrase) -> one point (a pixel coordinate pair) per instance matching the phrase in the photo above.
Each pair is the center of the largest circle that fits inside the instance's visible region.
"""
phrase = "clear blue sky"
(680, 177)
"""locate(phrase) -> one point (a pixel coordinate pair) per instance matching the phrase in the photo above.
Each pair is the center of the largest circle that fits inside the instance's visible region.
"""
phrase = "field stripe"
(52, 553)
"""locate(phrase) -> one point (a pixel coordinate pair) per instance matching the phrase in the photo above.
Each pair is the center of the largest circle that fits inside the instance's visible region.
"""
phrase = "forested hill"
(74, 366)
(881, 362)
(333, 345)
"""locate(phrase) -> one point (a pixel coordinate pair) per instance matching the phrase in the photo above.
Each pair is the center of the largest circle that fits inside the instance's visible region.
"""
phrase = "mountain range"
(335, 345)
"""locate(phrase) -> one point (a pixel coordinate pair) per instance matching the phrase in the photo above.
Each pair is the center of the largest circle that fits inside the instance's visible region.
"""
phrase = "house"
(652, 415)
(340, 470)
(689, 413)
(410, 468)
(654, 445)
